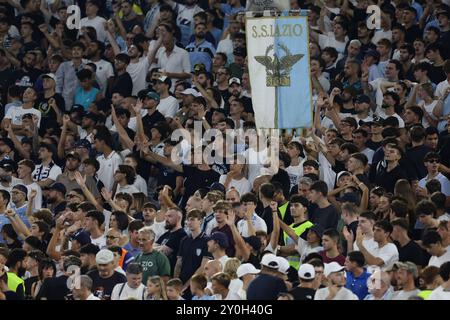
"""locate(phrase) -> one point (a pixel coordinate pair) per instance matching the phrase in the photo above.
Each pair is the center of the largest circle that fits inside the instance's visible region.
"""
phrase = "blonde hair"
(231, 267)
(159, 282)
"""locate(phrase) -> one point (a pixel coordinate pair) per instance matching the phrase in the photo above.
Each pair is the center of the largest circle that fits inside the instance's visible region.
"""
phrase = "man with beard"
(27, 75)
(362, 108)
(170, 241)
(222, 77)
(73, 162)
(95, 52)
(66, 75)
(49, 103)
(56, 198)
(200, 50)
(235, 90)
(16, 265)
(121, 82)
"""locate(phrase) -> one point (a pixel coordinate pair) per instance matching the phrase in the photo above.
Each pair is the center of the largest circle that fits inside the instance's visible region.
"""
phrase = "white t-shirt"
(16, 113)
(177, 62)
(304, 248)
(439, 294)
(235, 285)
(369, 154)
(138, 72)
(104, 71)
(42, 172)
(130, 189)
(388, 253)
(108, 166)
(429, 109)
(223, 260)
(256, 160)
(128, 292)
(37, 204)
(294, 172)
(159, 228)
(369, 244)
(342, 294)
(329, 40)
(380, 34)
(100, 241)
(242, 186)
(258, 223)
(441, 88)
(438, 261)
(168, 107)
(140, 184)
(445, 183)
(92, 297)
(98, 24)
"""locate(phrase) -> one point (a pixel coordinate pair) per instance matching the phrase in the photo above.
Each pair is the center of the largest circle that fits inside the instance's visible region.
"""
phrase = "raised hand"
(231, 218)
(33, 194)
(80, 179)
(107, 195)
(348, 234)
(274, 206)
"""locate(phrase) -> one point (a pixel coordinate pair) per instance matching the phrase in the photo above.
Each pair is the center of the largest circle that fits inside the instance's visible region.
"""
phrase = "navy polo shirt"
(192, 250)
(358, 285)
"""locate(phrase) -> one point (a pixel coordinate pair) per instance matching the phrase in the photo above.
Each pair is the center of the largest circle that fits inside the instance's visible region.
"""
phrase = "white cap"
(283, 265)
(104, 256)
(306, 271)
(246, 268)
(192, 92)
(234, 80)
(50, 75)
(331, 268)
(270, 261)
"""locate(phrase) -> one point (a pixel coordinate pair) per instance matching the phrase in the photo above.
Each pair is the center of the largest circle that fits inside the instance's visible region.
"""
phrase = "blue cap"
(221, 239)
(83, 143)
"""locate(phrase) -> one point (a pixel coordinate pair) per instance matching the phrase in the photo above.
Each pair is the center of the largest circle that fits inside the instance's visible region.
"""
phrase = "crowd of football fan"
(99, 200)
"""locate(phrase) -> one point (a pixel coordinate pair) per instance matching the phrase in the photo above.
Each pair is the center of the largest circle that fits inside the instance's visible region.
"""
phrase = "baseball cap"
(306, 271)
(192, 92)
(199, 67)
(217, 186)
(8, 165)
(373, 53)
(270, 261)
(220, 238)
(234, 80)
(254, 242)
(153, 95)
(58, 187)
(362, 98)
(82, 237)
(317, 228)
(331, 268)
(73, 154)
(83, 143)
(406, 265)
(246, 268)
(49, 75)
(104, 256)
(21, 188)
(283, 265)
(444, 12)
(348, 197)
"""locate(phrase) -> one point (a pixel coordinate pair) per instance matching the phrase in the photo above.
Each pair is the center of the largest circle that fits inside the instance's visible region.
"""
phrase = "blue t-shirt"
(358, 285)
(85, 98)
(204, 297)
(3, 220)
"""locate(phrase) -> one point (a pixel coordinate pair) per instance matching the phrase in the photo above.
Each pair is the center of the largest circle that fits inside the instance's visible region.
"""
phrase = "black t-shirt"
(230, 250)
(122, 84)
(386, 179)
(196, 179)
(28, 284)
(24, 78)
(149, 121)
(172, 240)
(374, 145)
(411, 252)
(54, 288)
(265, 287)
(101, 287)
(415, 156)
(48, 115)
(167, 176)
(327, 217)
(436, 74)
(338, 166)
(303, 293)
(192, 252)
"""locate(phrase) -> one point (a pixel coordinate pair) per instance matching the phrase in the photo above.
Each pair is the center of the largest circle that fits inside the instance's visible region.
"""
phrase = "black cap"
(362, 98)
(58, 187)
(91, 116)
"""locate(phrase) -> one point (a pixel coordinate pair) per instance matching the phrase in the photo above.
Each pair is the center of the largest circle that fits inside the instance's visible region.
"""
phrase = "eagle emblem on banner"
(278, 69)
